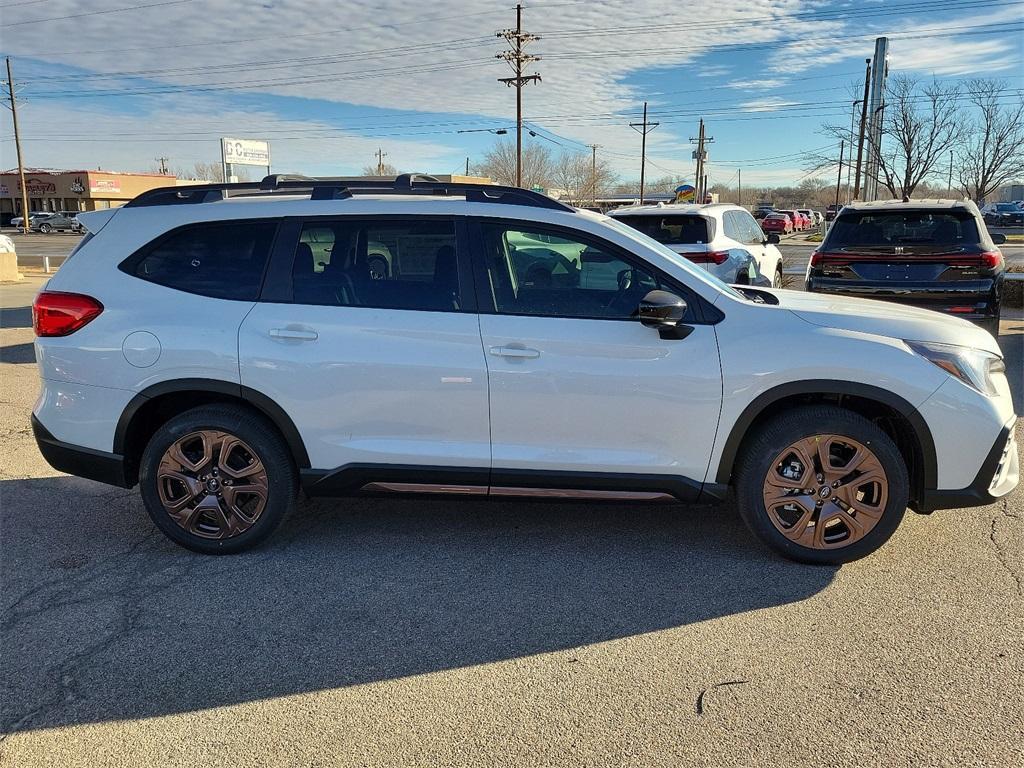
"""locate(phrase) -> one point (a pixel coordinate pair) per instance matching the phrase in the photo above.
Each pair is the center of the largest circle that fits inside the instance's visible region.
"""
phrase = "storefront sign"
(104, 185)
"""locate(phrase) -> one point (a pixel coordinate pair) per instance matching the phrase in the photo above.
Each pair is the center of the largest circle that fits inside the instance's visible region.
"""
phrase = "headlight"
(973, 367)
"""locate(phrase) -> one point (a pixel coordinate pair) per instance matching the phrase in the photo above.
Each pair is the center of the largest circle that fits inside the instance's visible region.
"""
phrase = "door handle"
(523, 353)
(295, 334)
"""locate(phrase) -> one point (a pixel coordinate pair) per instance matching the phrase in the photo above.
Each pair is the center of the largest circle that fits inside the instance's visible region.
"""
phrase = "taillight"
(708, 257)
(820, 257)
(61, 314)
(991, 260)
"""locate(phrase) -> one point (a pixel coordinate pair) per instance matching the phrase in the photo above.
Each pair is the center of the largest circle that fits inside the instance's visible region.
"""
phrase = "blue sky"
(115, 83)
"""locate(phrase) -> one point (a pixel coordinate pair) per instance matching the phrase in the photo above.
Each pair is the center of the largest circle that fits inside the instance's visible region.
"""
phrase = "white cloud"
(756, 85)
(435, 57)
(769, 104)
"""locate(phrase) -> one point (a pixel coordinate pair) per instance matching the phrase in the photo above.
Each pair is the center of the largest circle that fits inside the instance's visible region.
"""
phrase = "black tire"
(777, 282)
(45, 229)
(773, 437)
(266, 445)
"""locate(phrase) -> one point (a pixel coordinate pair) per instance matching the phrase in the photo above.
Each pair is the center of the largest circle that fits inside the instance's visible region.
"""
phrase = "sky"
(118, 83)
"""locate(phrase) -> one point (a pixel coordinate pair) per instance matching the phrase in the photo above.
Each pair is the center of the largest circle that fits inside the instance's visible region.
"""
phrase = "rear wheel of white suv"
(821, 484)
(217, 479)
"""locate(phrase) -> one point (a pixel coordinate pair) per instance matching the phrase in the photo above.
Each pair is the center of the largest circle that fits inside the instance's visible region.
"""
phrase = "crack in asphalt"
(141, 584)
(705, 691)
(1000, 550)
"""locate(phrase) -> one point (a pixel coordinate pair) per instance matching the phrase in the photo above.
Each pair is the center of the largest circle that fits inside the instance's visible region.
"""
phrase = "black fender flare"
(827, 387)
(258, 400)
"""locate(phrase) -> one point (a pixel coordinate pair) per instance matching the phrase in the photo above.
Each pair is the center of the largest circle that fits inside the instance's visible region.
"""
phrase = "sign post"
(243, 152)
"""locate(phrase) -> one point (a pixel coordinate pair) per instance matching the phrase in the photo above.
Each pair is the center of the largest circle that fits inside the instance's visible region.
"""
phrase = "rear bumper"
(89, 463)
(999, 474)
(981, 295)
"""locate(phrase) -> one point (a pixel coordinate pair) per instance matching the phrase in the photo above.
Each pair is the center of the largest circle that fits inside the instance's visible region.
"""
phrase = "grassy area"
(817, 237)
(1015, 238)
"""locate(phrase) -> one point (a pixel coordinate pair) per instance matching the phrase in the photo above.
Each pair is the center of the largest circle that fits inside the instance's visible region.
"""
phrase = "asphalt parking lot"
(395, 632)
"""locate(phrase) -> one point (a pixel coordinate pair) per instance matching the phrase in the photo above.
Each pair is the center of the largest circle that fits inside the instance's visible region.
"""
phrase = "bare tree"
(993, 153)
(919, 128)
(385, 169)
(500, 164)
(211, 172)
(582, 178)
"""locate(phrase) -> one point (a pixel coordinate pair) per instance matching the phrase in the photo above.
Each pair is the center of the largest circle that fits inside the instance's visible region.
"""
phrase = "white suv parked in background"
(722, 238)
(224, 345)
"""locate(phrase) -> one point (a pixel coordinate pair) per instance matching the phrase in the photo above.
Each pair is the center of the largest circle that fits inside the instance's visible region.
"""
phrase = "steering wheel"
(625, 281)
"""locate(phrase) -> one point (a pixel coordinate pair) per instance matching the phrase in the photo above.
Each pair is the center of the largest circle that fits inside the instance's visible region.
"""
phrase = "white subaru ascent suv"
(224, 346)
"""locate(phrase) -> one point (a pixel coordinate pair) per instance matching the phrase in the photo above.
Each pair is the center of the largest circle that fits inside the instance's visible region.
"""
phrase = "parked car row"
(1003, 214)
(47, 221)
(800, 219)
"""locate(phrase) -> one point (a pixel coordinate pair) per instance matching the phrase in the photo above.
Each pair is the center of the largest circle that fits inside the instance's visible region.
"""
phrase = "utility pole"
(163, 165)
(879, 72)
(593, 173)
(467, 166)
(517, 60)
(643, 129)
(701, 156)
(739, 185)
(839, 176)
(863, 126)
(17, 147)
(949, 183)
(380, 154)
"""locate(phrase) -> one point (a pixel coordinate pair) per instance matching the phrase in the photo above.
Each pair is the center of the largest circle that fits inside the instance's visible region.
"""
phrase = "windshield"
(671, 229)
(677, 259)
(883, 229)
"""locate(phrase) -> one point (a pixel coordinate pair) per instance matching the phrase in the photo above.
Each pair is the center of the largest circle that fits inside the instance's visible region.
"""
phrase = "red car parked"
(777, 222)
(800, 222)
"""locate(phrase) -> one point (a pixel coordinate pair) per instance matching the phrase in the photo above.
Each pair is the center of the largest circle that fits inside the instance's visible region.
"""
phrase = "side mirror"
(664, 312)
(773, 239)
(999, 238)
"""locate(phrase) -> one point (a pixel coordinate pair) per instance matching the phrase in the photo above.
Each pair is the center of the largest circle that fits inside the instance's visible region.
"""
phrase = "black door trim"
(352, 478)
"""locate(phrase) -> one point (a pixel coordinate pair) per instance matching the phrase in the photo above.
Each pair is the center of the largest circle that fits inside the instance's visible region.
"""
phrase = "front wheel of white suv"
(820, 484)
(217, 479)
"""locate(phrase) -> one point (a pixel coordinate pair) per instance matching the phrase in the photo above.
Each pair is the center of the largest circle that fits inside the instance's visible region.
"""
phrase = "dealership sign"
(245, 152)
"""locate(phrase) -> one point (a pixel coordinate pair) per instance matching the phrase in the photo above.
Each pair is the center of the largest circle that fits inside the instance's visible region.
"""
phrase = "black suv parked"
(935, 254)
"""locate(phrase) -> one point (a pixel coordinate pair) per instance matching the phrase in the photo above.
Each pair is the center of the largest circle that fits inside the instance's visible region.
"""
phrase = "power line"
(97, 13)
(643, 129)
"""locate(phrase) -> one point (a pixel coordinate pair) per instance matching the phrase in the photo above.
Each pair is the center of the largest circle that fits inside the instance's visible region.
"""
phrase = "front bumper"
(75, 460)
(999, 474)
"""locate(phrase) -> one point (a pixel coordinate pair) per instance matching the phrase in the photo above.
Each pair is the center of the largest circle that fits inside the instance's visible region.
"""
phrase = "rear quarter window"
(223, 260)
(671, 229)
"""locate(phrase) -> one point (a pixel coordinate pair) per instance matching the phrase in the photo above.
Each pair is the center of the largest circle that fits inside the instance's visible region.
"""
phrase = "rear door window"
(886, 229)
(387, 264)
(220, 260)
(671, 229)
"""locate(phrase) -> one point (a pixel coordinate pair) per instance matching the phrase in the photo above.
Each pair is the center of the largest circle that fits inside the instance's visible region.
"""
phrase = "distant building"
(55, 190)
(1011, 192)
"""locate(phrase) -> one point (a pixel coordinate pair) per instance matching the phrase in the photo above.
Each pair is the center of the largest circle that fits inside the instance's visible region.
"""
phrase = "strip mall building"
(52, 190)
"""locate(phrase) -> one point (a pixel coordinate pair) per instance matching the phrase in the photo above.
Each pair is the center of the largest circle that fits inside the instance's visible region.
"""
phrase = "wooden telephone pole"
(643, 129)
(517, 60)
(17, 147)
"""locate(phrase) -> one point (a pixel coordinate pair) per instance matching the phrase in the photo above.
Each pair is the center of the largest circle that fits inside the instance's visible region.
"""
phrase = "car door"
(581, 393)
(767, 256)
(366, 334)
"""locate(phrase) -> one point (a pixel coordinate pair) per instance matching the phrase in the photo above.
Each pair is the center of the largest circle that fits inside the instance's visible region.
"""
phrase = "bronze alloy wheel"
(212, 484)
(825, 491)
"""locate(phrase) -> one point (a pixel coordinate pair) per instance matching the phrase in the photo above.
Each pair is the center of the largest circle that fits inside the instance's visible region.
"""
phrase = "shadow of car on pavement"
(105, 619)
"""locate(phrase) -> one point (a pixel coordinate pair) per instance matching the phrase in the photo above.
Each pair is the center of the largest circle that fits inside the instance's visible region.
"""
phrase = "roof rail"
(327, 188)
